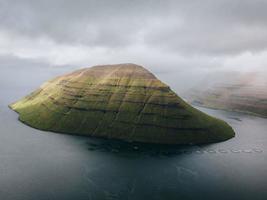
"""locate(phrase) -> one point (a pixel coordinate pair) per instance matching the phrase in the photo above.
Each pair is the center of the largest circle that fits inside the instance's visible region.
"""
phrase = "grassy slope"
(120, 101)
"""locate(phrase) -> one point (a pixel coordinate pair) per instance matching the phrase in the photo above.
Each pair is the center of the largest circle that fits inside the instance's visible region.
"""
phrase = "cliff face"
(123, 101)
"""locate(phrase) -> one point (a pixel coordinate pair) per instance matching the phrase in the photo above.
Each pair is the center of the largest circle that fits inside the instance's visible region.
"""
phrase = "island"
(121, 101)
(244, 93)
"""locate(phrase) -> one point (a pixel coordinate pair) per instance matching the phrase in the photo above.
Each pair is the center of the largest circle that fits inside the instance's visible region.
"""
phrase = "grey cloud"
(221, 27)
(214, 27)
(97, 23)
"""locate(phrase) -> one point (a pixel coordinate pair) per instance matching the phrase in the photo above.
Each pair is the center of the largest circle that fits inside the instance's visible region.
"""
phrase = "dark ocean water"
(42, 165)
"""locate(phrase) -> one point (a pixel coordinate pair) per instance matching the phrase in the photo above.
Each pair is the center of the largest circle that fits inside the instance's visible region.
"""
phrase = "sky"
(175, 39)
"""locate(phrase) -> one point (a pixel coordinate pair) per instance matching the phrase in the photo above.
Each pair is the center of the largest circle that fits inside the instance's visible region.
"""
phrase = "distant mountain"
(123, 101)
(243, 92)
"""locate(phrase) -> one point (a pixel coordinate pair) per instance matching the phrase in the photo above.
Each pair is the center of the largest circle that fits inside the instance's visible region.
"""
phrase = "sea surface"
(42, 165)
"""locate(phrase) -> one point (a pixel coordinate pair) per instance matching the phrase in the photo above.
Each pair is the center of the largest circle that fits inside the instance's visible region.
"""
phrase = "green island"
(122, 101)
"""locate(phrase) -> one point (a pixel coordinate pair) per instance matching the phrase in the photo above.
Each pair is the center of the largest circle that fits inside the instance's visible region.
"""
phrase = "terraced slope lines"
(123, 101)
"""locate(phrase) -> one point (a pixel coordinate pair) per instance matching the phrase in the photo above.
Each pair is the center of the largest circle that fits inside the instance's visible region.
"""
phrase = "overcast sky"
(165, 36)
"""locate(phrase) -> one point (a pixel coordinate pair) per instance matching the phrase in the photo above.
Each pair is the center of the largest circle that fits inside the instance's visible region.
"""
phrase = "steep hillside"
(123, 101)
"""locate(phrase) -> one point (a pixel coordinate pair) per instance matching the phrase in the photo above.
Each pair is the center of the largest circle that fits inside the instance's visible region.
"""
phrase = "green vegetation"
(123, 101)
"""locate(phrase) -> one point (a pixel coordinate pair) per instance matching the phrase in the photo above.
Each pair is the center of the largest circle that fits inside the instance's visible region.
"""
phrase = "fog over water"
(43, 165)
(187, 44)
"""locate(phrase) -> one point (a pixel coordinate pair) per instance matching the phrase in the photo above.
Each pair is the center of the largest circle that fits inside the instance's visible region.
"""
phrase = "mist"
(180, 41)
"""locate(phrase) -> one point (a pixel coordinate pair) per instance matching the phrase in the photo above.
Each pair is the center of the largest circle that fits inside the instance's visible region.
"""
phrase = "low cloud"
(164, 35)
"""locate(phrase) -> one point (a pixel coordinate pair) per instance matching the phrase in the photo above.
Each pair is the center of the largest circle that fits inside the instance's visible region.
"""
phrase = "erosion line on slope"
(101, 121)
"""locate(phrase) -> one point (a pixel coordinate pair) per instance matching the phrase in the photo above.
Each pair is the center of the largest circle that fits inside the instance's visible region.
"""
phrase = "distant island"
(122, 101)
(242, 93)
